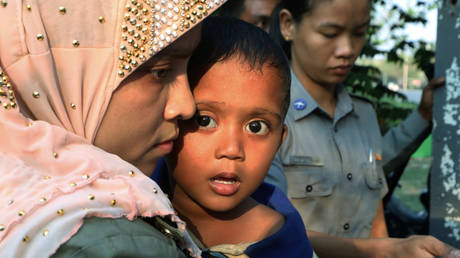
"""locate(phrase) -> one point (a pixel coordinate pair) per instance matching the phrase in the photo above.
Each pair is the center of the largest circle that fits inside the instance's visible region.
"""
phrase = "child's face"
(223, 154)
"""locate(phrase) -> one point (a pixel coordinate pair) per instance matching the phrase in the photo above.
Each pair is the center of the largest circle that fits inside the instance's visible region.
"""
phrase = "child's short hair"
(226, 37)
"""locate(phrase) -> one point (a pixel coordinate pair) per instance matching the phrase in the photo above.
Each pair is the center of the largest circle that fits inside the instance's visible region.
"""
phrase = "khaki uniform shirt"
(333, 167)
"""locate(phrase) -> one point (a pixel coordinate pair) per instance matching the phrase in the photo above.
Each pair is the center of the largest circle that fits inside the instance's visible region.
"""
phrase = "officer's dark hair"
(298, 9)
(226, 37)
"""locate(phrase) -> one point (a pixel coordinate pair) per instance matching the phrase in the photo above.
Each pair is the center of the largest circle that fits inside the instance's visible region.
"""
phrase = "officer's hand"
(421, 247)
(426, 102)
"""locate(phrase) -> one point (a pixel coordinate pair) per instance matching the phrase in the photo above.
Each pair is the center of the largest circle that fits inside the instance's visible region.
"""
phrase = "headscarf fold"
(60, 62)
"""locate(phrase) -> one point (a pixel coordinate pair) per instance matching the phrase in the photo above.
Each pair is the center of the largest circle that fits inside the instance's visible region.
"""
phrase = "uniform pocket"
(308, 181)
(373, 176)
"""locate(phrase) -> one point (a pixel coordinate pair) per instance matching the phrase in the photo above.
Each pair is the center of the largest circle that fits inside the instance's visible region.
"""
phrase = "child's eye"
(257, 127)
(160, 73)
(205, 121)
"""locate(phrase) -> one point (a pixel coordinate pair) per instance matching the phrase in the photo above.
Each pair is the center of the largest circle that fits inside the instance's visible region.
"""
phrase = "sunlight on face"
(224, 153)
(140, 124)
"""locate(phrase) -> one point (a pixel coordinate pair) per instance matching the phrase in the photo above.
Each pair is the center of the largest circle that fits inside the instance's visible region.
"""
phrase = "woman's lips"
(225, 184)
(341, 70)
(165, 146)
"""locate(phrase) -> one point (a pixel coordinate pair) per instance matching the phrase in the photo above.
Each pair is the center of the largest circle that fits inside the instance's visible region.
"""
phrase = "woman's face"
(140, 124)
(327, 41)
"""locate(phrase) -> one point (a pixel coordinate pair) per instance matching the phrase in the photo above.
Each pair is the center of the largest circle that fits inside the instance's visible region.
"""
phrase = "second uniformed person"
(334, 154)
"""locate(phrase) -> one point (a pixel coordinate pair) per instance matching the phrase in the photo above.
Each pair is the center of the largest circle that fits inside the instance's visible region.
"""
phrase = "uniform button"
(349, 176)
(309, 188)
(346, 226)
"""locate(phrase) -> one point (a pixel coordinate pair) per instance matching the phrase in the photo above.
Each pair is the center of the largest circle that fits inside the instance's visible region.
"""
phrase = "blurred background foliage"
(388, 39)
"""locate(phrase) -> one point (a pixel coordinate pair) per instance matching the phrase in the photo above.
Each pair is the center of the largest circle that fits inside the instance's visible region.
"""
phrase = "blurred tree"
(367, 80)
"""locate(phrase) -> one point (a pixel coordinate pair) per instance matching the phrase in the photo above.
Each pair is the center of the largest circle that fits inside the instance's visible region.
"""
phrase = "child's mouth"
(225, 183)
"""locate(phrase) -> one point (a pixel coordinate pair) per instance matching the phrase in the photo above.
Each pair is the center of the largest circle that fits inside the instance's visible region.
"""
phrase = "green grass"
(413, 182)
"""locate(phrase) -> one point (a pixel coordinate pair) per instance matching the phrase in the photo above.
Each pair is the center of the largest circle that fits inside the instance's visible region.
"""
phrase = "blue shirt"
(290, 241)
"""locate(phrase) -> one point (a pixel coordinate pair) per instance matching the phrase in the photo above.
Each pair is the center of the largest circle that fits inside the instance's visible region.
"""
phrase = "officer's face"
(327, 41)
(224, 152)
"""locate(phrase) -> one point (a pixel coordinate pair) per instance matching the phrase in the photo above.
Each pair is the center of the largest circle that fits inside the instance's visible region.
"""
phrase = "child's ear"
(284, 134)
(287, 25)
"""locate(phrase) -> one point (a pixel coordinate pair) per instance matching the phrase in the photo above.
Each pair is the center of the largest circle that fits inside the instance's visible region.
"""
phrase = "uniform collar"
(299, 92)
(344, 101)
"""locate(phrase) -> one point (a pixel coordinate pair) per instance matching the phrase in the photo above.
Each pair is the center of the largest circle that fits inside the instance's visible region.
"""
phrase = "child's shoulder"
(272, 220)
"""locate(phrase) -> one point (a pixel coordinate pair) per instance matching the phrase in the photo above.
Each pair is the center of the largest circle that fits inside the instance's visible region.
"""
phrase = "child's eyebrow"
(253, 112)
(263, 111)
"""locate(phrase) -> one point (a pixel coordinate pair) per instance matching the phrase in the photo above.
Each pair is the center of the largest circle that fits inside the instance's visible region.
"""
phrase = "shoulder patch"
(365, 99)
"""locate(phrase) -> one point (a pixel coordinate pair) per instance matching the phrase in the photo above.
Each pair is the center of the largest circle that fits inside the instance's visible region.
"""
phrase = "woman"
(91, 92)
(334, 154)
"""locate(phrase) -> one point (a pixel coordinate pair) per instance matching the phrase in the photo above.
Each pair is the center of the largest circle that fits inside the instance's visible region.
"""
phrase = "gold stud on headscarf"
(101, 19)
(36, 94)
(4, 3)
(62, 10)
(40, 36)
(29, 7)
(76, 43)
(6, 91)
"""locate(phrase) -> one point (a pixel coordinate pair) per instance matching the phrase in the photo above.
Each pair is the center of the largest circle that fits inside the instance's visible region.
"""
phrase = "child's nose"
(231, 146)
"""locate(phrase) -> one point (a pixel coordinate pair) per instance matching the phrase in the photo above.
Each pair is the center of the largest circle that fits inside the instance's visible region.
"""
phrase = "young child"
(240, 81)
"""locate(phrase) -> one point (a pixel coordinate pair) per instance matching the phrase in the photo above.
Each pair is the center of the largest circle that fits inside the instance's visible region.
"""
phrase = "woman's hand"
(417, 246)
(425, 107)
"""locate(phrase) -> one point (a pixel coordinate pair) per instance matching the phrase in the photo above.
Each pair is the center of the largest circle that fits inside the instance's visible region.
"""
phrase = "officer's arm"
(379, 226)
(415, 246)
(400, 142)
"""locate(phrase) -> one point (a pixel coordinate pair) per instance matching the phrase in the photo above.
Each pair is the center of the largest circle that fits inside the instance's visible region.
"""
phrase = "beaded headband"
(150, 25)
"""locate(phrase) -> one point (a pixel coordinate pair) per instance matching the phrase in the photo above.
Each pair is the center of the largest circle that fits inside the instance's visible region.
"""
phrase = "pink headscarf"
(60, 62)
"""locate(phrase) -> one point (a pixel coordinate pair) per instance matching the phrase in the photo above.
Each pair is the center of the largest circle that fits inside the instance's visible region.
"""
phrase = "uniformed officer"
(334, 165)
(334, 154)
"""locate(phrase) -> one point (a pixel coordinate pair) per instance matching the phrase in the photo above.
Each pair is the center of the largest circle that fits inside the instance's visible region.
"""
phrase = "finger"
(437, 82)
(454, 253)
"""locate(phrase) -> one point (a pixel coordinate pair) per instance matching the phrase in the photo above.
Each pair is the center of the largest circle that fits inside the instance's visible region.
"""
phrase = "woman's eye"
(205, 121)
(329, 35)
(257, 127)
(160, 73)
(360, 34)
